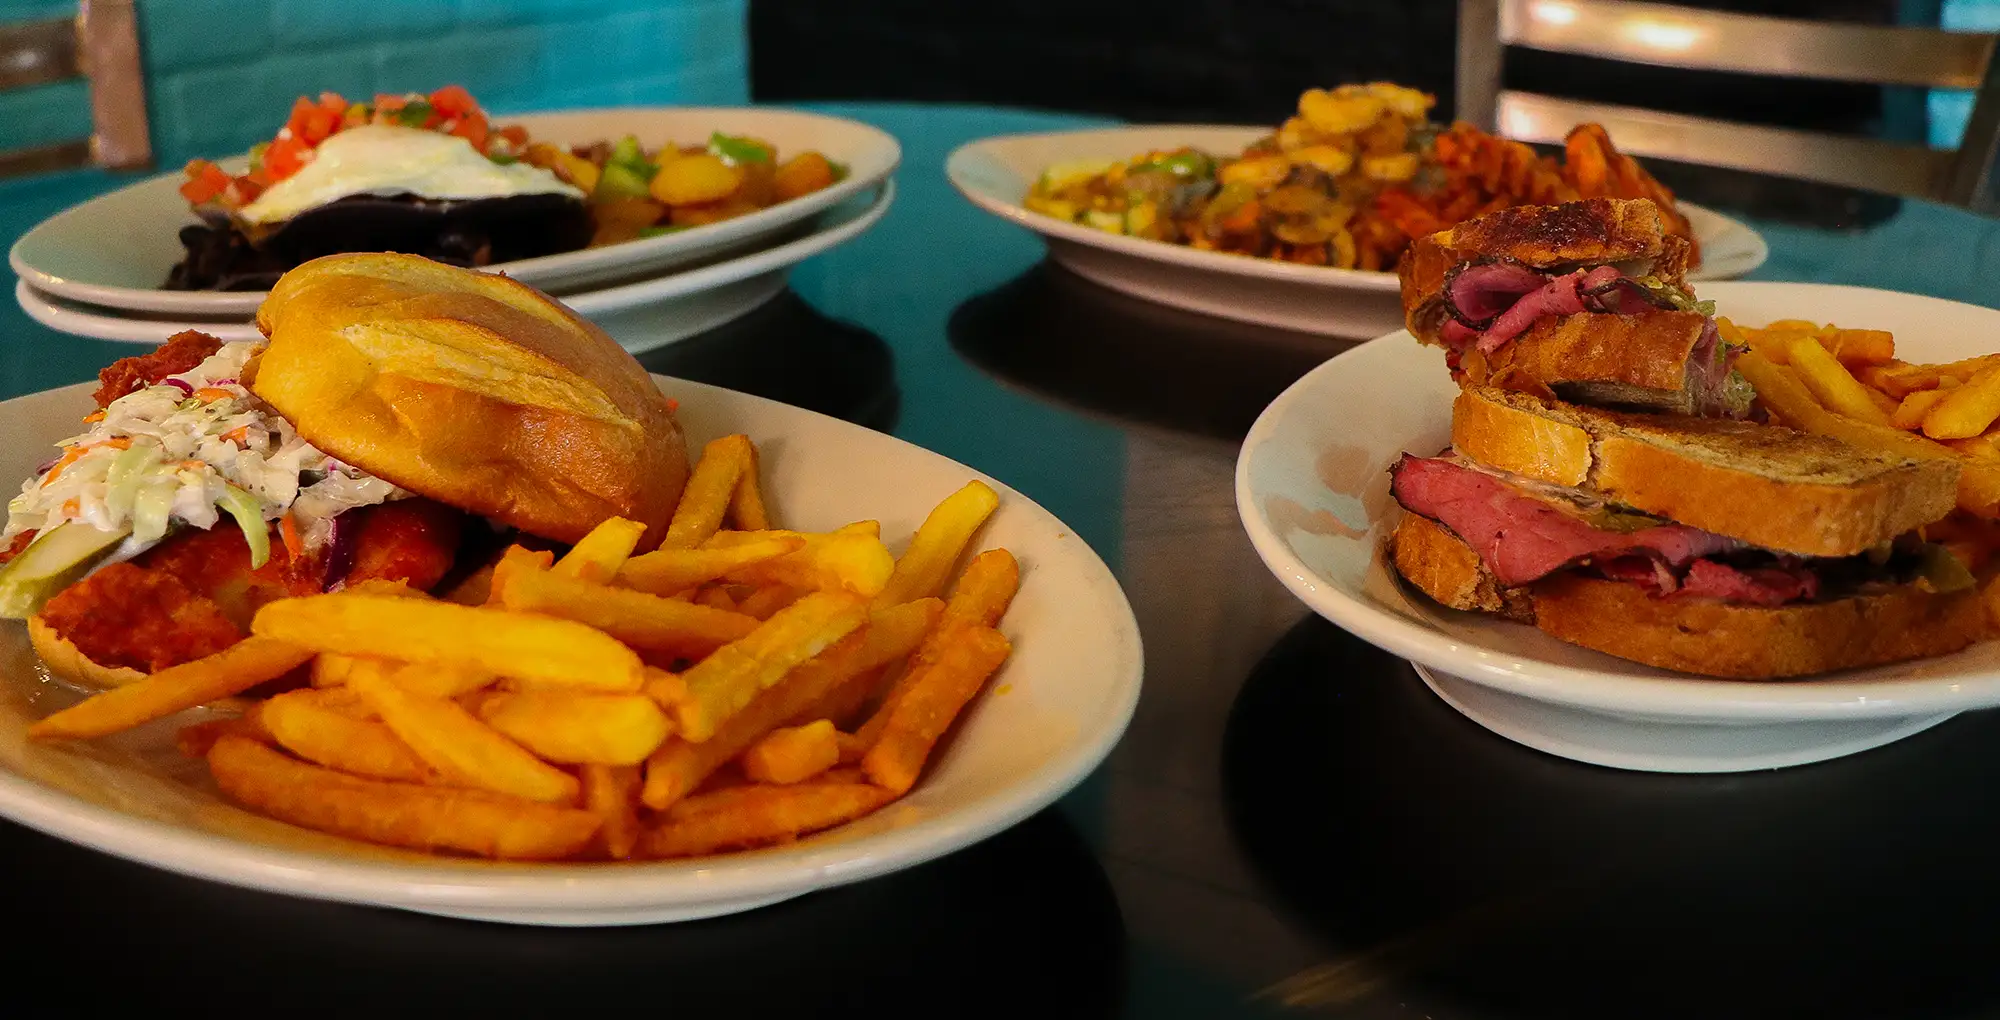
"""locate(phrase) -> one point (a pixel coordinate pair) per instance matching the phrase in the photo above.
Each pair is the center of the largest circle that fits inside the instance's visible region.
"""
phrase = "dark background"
(1246, 62)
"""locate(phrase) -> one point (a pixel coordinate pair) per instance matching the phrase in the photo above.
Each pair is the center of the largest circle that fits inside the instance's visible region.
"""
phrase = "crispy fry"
(984, 591)
(510, 643)
(939, 541)
(926, 710)
(437, 679)
(678, 767)
(767, 600)
(1966, 410)
(597, 556)
(670, 571)
(708, 491)
(717, 597)
(793, 754)
(1857, 347)
(722, 684)
(747, 511)
(579, 729)
(1910, 413)
(195, 740)
(331, 669)
(665, 688)
(837, 561)
(513, 563)
(463, 749)
(303, 724)
(1985, 446)
(753, 816)
(398, 814)
(611, 792)
(634, 617)
(1829, 380)
(1780, 389)
(233, 670)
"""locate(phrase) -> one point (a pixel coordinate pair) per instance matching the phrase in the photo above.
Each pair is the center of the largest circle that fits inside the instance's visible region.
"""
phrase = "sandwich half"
(1586, 301)
(1715, 547)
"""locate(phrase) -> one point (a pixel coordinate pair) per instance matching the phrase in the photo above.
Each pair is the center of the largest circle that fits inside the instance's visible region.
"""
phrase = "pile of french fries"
(1849, 384)
(733, 689)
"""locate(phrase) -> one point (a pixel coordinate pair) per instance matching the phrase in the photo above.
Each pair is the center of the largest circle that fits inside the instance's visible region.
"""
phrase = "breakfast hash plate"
(1063, 700)
(115, 250)
(1313, 492)
(996, 173)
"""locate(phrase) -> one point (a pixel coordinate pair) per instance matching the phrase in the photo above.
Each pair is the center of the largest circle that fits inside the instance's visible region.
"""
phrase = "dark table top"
(1292, 825)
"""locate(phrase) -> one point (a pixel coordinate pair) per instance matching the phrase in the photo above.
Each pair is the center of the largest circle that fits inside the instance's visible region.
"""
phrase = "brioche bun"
(65, 660)
(472, 389)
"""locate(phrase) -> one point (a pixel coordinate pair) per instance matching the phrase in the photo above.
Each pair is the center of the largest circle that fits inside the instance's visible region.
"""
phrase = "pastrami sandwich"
(1711, 546)
(396, 401)
(1586, 301)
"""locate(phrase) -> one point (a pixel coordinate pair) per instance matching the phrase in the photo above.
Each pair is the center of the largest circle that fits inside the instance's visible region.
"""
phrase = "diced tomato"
(205, 181)
(311, 123)
(285, 157)
(333, 103)
(473, 128)
(454, 101)
(515, 134)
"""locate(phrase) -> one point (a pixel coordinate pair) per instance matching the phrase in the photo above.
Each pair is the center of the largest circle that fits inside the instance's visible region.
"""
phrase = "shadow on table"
(1067, 340)
(787, 351)
(1024, 924)
(1468, 877)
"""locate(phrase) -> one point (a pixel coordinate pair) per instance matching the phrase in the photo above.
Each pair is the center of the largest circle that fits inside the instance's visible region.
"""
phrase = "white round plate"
(996, 173)
(642, 316)
(1049, 717)
(115, 250)
(1312, 488)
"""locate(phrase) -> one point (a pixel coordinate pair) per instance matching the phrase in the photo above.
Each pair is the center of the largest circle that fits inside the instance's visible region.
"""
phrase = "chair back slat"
(37, 52)
(1835, 159)
(108, 39)
(1703, 40)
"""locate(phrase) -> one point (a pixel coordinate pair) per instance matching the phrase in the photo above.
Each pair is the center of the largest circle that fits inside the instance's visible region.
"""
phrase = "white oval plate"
(642, 316)
(115, 250)
(996, 173)
(1048, 718)
(1312, 488)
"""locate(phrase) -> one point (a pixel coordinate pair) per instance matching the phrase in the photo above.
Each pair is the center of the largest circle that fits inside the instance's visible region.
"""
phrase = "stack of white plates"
(95, 270)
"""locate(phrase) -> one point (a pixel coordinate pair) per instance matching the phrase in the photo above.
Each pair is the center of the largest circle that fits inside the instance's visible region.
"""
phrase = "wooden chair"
(101, 45)
(1682, 37)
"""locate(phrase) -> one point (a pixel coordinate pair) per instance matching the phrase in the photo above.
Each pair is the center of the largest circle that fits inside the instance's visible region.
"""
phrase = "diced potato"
(696, 179)
(806, 173)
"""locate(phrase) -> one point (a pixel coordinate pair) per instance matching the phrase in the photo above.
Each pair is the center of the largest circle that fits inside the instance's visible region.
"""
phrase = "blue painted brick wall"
(222, 74)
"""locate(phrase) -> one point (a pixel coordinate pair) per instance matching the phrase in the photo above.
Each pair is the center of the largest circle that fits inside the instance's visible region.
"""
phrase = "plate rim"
(450, 884)
(1672, 697)
(1233, 265)
(586, 260)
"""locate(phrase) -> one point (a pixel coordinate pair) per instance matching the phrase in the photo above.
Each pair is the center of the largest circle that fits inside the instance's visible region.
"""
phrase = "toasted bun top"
(472, 389)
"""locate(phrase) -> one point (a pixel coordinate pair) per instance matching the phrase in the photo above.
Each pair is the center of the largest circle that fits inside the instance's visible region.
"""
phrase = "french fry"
(633, 617)
(483, 638)
(396, 814)
(1780, 389)
(670, 571)
(384, 586)
(301, 723)
(438, 680)
(1966, 410)
(768, 600)
(1883, 402)
(722, 684)
(665, 688)
(331, 669)
(938, 543)
(513, 563)
(1857, 347)
(1829, 380)
(793, 754)
(460, 747)
(708, 491)
(926, 710)
(597, 556)
(195, 740)
(611, 792)
(579, 729)
(754, 816)
(837, 561)
(1910, 413)
(894, 633)
(233, 670)
(746, 506)
(983, 593)
(679, 766)
(1898, 379)
(1985, 446)
(717, 597)
(474, 589)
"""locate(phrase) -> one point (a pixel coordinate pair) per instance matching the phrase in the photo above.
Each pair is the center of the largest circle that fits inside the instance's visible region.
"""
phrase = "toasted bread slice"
(1757, 642)
(1593, 232)
(1768, 486)
(1637, 361)
(1440, 564)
